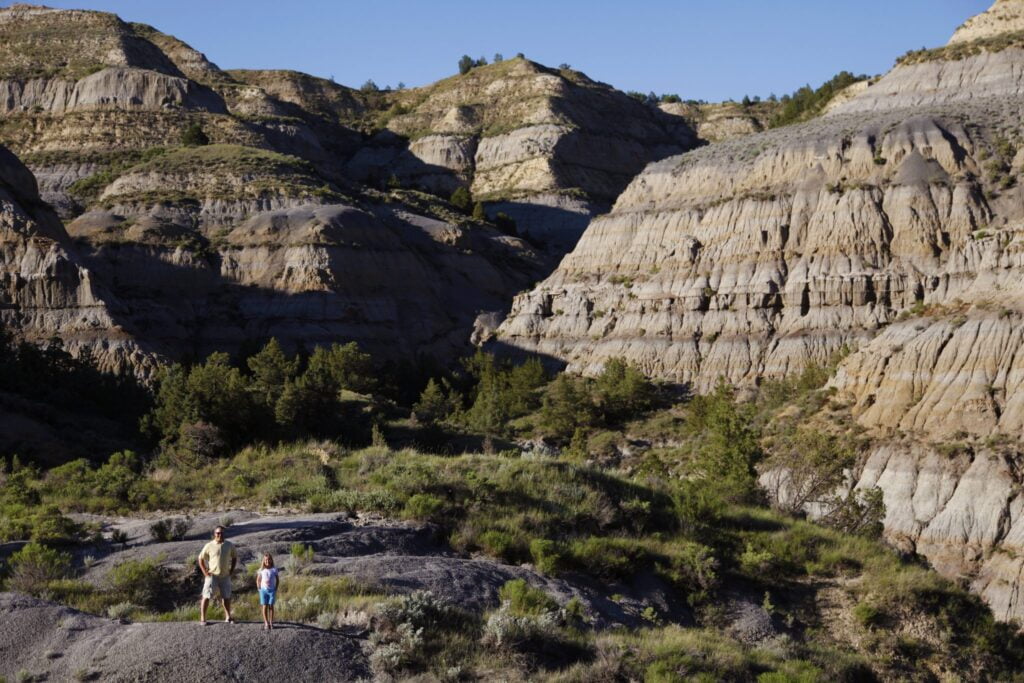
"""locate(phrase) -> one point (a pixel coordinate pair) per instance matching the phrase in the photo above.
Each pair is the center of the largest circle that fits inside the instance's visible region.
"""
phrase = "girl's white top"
(267, 578)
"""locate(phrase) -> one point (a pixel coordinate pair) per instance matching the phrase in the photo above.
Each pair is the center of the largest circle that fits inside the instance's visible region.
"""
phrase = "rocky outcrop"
(892, 226)
(44, 289)
(753, 257)
(110, 88)
(960, 508)
(1003, 17)
(399, 283)
(722, 121)
(521, 134)
(92, 648)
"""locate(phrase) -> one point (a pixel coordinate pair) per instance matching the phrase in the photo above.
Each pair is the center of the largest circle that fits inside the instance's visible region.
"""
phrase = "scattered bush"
(461, 199)
(525, 600)
(34, 566)
(194, 136)
(166, 530)
(423, 506)
(142, 582)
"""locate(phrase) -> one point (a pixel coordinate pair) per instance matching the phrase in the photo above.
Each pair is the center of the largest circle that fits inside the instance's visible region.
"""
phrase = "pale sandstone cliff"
(891, 226)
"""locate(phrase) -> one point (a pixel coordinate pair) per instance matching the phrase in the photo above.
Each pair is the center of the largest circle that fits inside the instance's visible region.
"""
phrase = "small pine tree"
(498, 57)
(194, 136)
(369, 86)
(465, 64)
(461, 199)
(478, 212)
(481, 61)
(394, 183)
(433, 405)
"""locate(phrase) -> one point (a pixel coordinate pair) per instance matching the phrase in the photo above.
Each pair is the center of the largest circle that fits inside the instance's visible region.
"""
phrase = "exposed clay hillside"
(892, 226)
(46, 291)
(255, 235)
(549, 147)
(82, 90)
(720, 121)
(1005, 16)
(316, 95)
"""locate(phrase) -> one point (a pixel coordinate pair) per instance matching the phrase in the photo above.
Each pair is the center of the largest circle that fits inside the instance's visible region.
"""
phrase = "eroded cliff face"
(258, 234)
(550, 146)
(753, 257)
(214, 247)
(45, 291)
(891, 227)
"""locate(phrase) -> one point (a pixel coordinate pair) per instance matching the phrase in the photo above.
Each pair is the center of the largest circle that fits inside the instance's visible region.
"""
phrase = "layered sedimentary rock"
(213, 247)
(44, 289)
(1005, 16)
(753, 257)
(717, 122)
(550, 146)
(255, 235)
(891, 227)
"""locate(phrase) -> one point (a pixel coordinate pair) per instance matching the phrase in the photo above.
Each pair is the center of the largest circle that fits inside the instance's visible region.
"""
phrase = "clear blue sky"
(702, 49)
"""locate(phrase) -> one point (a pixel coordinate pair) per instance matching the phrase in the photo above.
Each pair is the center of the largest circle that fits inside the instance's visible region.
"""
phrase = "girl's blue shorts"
(267, 596)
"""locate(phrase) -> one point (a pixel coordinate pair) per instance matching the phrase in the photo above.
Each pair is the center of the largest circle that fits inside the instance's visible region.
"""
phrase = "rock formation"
(549, 147)
(45, 290)
(891, 226)
(264, 232)
(1005, 16)
(93, 648)
(256, 235)
(717, 122)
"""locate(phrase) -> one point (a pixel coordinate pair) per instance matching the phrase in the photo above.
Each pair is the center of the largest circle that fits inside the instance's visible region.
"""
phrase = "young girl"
(266, 582)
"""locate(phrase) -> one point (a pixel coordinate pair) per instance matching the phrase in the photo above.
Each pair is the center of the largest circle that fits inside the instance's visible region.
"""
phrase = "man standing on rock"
(217, 562)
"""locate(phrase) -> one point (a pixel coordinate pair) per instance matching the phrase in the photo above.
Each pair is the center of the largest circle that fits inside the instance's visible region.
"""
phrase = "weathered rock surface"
(891, 226)
(753, 257)
(44, 288)
(1003, 17)
(521, 134)
(394, 557)
(722, 121)
(63, 644)
(239, 263)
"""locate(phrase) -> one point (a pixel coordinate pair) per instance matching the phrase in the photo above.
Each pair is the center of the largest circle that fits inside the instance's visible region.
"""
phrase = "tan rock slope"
(549, 147)
(1005, 16)
(264, 232)
(257, 235)
(892, 226)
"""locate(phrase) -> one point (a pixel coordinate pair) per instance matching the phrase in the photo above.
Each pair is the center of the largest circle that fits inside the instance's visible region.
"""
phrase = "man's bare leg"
(227, 610)
(203, 602)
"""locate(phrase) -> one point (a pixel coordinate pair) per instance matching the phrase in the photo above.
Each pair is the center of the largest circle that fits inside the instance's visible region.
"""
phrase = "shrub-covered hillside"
(640, 503)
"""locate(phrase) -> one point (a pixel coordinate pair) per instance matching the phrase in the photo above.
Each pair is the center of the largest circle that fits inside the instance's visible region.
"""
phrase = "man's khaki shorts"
(223, 584)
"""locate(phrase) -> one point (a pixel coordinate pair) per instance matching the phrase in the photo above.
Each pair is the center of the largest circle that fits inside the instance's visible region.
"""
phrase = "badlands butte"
(155, 208)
